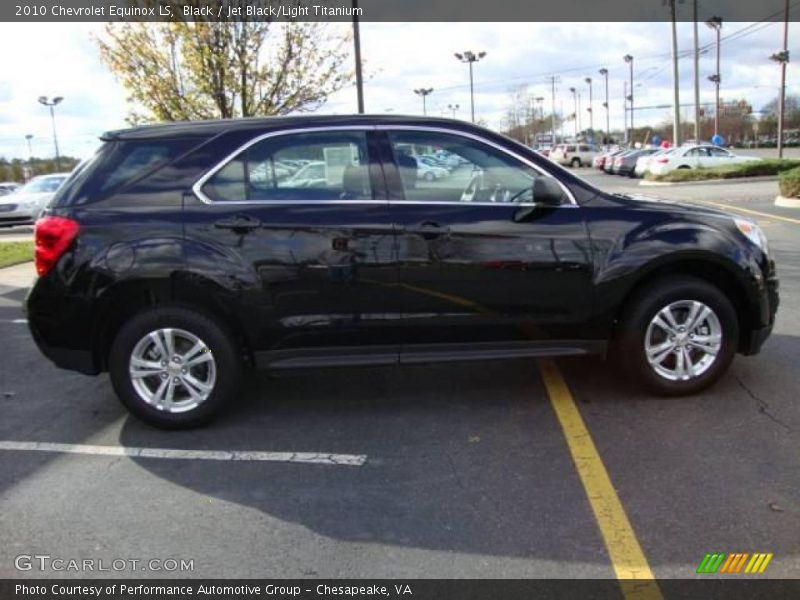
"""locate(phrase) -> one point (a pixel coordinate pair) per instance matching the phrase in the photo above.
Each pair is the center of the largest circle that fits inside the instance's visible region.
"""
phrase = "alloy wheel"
(172, 370)
(683, 340)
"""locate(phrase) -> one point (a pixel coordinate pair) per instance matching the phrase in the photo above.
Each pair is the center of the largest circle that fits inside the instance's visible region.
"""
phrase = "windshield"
(39, 186)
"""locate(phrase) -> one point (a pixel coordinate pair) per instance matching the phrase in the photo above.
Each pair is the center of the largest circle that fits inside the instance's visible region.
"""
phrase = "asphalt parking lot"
(456, 471)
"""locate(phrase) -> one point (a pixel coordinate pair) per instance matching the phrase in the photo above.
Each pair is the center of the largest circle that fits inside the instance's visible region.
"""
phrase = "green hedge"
(756, 168)
(789, 183)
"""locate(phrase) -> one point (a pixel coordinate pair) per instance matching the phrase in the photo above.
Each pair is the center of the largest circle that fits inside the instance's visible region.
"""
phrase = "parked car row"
(638, 162)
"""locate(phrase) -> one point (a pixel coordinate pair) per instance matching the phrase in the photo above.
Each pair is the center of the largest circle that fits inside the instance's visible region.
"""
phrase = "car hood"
(651, 203)
(26, 198)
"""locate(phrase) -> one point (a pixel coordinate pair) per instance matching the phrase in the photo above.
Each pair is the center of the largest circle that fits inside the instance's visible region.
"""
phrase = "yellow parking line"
(752, 212)
(627, 559)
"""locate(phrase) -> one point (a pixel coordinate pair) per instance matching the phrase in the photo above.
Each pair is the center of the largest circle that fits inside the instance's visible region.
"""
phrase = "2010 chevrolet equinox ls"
(182, 253)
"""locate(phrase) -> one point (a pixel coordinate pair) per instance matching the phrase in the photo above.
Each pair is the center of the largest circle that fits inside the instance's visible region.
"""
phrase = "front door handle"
(427, 229)
(238, 223)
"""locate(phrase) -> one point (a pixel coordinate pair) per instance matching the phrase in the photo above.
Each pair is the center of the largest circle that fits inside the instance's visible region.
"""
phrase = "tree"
(207, 69)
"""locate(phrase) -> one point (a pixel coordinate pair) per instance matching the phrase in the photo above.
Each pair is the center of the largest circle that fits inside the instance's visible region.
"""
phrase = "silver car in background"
(25, 205)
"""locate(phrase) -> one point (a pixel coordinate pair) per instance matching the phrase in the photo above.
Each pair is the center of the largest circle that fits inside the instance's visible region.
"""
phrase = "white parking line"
(20, 321)
(349, 460)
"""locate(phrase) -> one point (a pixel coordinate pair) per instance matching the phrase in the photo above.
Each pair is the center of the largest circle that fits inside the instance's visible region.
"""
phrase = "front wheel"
(575, 163)
(679, 336)
(174, 368)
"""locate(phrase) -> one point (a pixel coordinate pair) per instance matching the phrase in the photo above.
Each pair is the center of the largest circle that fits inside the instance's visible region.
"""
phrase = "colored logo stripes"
(741, 562)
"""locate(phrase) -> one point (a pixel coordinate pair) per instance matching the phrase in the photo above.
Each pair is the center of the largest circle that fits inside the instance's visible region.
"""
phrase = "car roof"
(181, 129)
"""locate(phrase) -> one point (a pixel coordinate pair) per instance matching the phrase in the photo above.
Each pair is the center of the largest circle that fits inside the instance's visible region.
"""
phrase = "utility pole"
(357, 52)
(676, 106)
(782, 58)
(591, 112)
(716, 24)
(696, 76)
(604, 73)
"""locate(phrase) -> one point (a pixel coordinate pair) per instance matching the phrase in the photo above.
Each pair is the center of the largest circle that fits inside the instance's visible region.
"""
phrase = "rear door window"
(329, 165)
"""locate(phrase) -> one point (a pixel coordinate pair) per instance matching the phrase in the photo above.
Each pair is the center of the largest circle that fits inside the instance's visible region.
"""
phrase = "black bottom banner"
(417, 589)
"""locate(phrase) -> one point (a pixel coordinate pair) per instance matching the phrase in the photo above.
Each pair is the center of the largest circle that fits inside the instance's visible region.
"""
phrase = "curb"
(787, 202)
(646, 182)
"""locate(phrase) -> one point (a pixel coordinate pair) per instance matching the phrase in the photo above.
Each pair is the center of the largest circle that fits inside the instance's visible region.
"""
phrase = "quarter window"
(442, 167)
(331, 165)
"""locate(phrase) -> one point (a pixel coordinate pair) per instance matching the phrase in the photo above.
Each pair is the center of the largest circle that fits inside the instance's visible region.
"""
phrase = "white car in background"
(8, 187)
(574, 155)
(695, 157)
(643, 162)
(428, 172)
(26, 204)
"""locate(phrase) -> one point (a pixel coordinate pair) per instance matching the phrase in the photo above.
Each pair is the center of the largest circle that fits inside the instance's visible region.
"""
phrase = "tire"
(575, 163)
(215, 380)
(637, 329)
(684, 167)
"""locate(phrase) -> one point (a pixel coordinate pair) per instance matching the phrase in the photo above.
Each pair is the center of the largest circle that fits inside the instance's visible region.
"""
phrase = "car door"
(719, 157)
(307, 257)
(478, 261)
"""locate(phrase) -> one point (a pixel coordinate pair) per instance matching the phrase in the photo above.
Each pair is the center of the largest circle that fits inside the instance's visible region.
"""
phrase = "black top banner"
(391, 10)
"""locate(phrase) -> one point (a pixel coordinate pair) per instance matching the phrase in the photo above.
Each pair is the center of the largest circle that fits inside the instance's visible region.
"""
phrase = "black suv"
(182, 253)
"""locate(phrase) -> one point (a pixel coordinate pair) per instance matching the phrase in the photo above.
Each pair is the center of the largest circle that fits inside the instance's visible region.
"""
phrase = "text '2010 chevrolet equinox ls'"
(183, 253)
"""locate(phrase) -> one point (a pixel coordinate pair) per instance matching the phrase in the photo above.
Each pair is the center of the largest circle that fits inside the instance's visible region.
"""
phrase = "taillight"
(663, 161)
(53, 236)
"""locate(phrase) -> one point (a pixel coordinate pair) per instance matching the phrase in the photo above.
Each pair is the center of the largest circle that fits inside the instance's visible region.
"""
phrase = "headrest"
(355, 181)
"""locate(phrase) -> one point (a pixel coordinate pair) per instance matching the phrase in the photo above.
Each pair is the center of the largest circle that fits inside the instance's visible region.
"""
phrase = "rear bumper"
(56, 327)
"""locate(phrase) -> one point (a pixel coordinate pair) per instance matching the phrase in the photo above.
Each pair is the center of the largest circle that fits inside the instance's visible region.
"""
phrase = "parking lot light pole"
(625, 110)
(470, 57)
(28, 138)
(424, 93)
(453, 108)
(715, 23)
(629, 59)
(591, 112)
(575, 114)
(604, 73)
(45, 101)
(357, 56)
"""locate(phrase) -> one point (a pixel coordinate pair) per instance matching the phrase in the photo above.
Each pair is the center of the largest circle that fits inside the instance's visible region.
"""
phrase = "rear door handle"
(238, 223)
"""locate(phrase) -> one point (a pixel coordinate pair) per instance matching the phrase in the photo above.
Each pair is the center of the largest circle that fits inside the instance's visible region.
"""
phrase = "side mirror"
(547, 192)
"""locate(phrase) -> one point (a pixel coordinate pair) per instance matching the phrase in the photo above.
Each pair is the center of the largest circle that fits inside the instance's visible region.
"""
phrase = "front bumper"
(12, 214)
(753, 339)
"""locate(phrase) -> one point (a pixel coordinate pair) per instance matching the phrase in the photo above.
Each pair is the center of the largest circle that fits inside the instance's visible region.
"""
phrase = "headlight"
(753, 233)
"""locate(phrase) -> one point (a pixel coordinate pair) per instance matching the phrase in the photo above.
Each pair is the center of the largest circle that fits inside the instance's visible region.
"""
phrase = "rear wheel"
(679, 336)
(174, 368)
(575, 162)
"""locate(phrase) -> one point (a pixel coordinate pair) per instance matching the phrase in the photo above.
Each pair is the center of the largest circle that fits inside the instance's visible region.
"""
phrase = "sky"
(62, 60)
